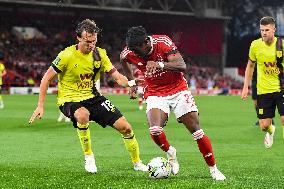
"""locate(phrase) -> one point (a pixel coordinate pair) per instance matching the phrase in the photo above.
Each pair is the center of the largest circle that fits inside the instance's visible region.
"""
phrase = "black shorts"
(101, 110)
(267, 103)
(253, 91)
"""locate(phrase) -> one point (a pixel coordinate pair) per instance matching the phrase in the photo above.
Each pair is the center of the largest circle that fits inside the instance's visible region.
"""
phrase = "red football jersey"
(162, 82)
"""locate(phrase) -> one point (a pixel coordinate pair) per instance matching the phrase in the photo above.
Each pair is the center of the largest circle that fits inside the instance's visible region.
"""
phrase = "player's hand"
(244, 95)
(151, 67)
(38, 113)
(133, 92)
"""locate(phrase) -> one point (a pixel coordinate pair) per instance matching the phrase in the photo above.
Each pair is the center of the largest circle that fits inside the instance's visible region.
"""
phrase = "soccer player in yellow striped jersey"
(77, 68)
(2, 73)
(269, 90)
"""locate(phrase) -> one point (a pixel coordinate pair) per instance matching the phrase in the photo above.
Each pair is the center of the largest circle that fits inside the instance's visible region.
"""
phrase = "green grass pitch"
(47, 154)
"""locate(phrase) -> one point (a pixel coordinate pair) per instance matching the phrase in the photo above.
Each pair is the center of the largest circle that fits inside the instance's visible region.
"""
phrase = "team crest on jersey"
(279, 54)
(97, 64)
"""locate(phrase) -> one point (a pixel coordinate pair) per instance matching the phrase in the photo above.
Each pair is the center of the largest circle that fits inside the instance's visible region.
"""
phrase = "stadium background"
(213, 37)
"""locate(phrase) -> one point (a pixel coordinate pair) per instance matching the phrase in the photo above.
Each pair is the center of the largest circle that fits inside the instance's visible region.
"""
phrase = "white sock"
(212, 168)
(171, 150)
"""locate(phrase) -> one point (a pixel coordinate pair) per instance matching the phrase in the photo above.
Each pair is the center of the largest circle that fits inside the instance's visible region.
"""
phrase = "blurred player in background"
(165, 90)
(2, 73)
(78, 67)
(270, 93)
(139, 74)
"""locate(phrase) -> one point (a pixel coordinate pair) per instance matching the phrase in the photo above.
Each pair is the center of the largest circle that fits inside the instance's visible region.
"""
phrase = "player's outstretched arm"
(124, 82)
(248, 78)
(47, 78)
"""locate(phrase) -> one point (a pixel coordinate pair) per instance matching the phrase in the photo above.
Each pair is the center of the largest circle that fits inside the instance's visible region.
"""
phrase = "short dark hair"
(136, 36)
(87, 25)
(267, 20)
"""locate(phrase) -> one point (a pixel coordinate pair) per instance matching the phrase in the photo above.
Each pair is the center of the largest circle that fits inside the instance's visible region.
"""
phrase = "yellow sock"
(132, 146)
(0, 97)
(269, 129)
(83, 132)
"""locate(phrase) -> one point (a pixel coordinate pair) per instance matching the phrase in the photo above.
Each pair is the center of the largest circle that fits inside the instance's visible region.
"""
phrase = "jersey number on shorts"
(108, 106)
(189, 100)
(186, 98)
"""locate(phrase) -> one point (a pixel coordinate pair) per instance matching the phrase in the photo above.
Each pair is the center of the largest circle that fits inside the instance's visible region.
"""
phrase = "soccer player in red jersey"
(165, 90)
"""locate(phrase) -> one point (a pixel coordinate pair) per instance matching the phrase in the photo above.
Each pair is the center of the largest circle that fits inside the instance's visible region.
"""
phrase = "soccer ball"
(159, 168)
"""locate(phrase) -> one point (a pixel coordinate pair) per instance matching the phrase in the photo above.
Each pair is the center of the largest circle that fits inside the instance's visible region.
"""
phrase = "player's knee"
(82, 115)
(198, 134)
(191, 122)
(127, 130)
(123, 126)
(155, 130)
(264, 124)
(194, 125)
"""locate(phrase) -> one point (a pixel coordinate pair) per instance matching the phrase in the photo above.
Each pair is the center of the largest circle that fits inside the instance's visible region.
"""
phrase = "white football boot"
(90, 163)
(268, 140)
(216, 174)
(172, 158)
(139, 166)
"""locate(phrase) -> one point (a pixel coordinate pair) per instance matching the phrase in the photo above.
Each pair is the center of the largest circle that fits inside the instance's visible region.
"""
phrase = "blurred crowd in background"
(26, 60)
